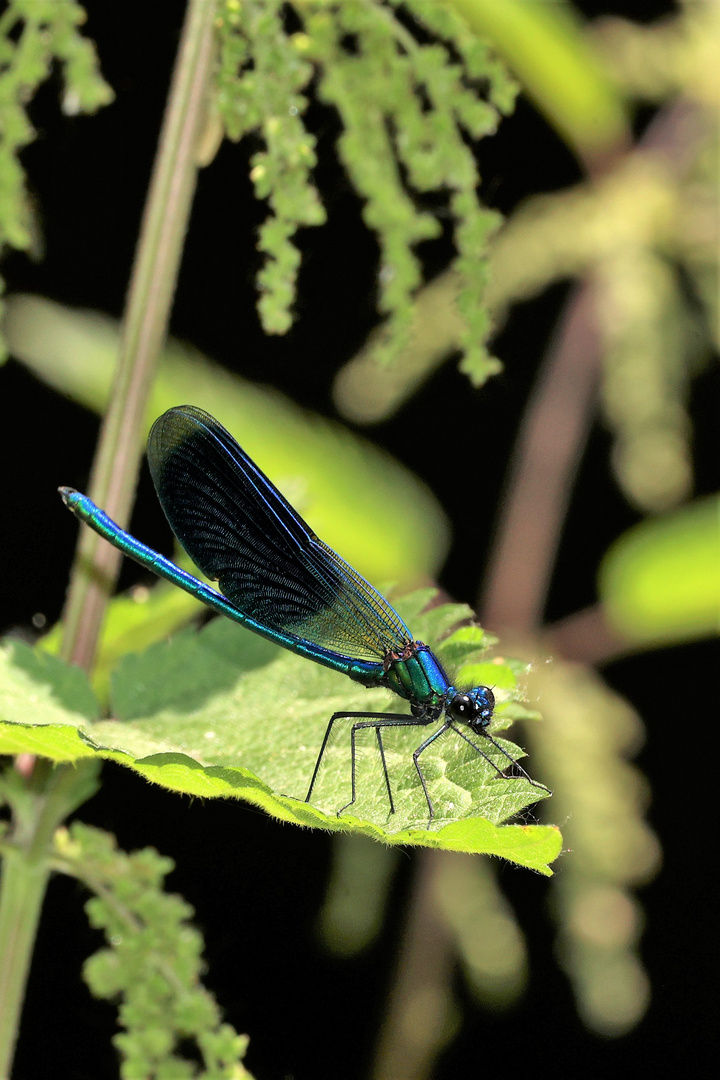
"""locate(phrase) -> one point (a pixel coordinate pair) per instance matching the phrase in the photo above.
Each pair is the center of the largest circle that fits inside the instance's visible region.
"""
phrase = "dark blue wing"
(237, 527)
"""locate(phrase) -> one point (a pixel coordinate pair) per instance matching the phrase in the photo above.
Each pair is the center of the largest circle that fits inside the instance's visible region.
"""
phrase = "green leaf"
(133, 621)
(660, 582)
(221, 712)
(38, 688)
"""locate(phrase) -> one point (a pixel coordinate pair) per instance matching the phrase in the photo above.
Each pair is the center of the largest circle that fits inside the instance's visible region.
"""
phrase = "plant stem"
(145, 322)
(42, 802)
(21, 896)
(550, 443)
(417, 1021)
(554, 430)
(39, 805)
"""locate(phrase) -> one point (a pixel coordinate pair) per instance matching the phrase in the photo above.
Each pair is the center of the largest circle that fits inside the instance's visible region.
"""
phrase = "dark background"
(257, 885)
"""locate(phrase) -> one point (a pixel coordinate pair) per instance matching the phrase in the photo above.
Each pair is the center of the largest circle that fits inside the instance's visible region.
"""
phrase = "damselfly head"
(475, 708)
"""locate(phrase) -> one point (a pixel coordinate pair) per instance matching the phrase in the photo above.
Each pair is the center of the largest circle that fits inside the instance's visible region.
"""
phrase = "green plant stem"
(39, 804)
(21, 896)
(147, 312)
(48, 796)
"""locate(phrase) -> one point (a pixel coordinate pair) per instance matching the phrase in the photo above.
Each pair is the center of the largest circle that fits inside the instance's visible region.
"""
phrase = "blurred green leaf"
(544, 47)
(660, 582)
(189, 711)
(375, 512)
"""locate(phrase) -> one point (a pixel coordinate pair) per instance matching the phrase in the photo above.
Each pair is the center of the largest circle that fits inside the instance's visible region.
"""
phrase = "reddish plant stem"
(585, 637)
(547, 453)
(553, 435)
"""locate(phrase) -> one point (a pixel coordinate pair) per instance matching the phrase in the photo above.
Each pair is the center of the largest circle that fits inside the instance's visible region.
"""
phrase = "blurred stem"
(553, 434)
(147, 311)
(417, 1023)
(550, 444)
(586, 637)
(21, 897)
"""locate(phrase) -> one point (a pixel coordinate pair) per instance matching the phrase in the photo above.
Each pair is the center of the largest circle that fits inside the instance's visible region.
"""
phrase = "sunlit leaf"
(221, 712)
(133, 621)
(38, 688)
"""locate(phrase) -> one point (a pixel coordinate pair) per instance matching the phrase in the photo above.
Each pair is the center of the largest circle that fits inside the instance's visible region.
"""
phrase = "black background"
(257, 885)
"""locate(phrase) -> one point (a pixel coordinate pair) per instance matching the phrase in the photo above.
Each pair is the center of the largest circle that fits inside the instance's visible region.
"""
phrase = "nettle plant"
(413, 87)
